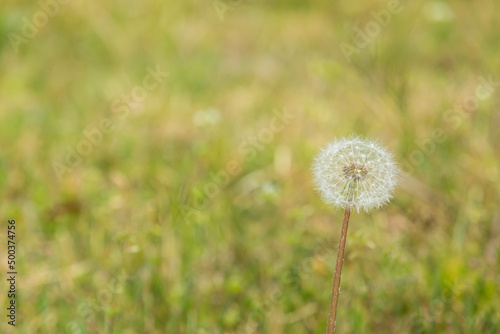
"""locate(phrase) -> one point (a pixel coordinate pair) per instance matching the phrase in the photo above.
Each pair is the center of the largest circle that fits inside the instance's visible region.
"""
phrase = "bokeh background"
(188, 207)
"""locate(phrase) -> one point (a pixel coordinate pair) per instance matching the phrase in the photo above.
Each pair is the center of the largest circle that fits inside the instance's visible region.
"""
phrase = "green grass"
(129, 241)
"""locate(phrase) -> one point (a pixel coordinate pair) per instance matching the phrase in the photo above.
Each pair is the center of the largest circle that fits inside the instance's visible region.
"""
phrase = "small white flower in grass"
(355, 172)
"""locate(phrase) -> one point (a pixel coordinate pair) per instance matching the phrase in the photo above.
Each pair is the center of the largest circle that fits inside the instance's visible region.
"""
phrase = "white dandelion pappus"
(355, 172)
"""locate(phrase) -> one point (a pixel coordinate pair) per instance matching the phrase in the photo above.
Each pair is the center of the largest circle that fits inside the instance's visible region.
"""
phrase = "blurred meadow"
(156, 158)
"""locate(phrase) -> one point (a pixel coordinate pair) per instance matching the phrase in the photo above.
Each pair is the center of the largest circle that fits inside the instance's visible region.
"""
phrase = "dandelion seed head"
(355, 172)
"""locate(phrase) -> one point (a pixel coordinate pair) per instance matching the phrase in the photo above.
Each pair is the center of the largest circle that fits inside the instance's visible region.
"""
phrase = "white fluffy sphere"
(355, 172)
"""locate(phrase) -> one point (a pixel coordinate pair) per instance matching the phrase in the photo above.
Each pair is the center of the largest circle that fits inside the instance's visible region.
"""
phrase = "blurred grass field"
(137, 237)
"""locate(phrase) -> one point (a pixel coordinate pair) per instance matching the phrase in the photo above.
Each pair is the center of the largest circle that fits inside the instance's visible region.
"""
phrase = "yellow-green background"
(117, 246)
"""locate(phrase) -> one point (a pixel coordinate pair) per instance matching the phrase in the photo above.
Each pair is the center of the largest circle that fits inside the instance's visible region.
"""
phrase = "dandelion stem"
(338, 272)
